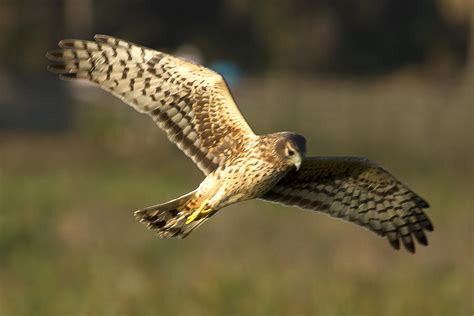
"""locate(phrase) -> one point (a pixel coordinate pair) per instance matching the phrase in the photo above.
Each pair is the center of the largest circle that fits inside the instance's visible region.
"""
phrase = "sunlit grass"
(69, 244)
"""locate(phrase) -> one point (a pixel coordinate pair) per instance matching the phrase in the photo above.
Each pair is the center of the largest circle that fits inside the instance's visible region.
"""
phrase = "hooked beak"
(297, 162)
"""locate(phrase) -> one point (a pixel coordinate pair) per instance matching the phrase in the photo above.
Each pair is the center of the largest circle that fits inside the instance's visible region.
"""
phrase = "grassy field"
(70, 246)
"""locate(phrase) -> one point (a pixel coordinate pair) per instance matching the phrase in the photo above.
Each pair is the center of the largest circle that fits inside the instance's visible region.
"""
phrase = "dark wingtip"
(410, 246)
(428, 225)
(421, 238)
(395, 243)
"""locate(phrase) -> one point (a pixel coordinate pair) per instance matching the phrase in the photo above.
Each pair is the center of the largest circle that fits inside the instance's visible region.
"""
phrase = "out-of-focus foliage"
(299, 38)
(342, 36)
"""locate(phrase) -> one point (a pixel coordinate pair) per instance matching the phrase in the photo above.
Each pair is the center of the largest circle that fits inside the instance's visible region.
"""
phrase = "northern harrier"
(195, 108)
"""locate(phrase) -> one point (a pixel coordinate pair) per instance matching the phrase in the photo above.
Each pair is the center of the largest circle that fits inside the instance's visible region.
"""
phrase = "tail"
(169, 219)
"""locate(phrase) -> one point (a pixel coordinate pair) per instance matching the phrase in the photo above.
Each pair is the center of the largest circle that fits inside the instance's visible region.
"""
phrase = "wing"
(359, 191)
(191, 103)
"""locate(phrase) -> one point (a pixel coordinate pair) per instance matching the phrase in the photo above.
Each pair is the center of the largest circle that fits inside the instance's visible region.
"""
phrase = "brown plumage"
(194, 106)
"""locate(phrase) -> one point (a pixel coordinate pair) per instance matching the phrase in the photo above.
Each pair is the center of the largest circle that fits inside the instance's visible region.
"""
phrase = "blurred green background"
(389, 80)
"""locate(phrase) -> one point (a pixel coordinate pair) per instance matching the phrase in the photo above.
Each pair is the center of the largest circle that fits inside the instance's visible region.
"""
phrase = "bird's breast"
(248, 178)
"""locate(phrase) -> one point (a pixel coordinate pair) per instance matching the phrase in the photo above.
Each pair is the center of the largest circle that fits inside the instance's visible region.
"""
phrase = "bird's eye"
(290, 152)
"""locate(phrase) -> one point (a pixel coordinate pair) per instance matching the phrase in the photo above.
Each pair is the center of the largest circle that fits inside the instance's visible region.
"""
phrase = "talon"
(206, 211)
(198, 211)
(192, 217)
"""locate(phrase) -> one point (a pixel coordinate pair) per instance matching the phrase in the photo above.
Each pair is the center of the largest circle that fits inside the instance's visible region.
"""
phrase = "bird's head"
(291, 148)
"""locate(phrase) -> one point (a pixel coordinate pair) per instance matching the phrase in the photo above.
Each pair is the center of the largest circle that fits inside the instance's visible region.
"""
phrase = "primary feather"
(357, 190)
(191, 103)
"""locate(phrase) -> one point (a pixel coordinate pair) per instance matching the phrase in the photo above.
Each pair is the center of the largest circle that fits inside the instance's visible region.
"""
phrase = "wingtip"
(103, 38)
(66, 43)
(427, 225)
(410, 246)
(59, 69)
(424, 203)
(102, 35)
(138, 214)
(99, 36)
(421, 238)
(395, 243)
(54, 55)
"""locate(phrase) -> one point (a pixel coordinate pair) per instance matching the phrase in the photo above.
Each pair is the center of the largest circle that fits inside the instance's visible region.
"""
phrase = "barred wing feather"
(357, 190)
(191, 103)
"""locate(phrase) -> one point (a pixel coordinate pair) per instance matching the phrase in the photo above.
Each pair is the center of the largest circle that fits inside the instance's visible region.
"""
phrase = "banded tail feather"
(170, 219)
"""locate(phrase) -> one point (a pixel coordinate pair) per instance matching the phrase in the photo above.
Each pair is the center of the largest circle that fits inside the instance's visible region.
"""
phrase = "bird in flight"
(195, 108)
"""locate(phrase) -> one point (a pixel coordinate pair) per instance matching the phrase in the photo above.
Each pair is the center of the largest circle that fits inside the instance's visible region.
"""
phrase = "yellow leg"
(198, 211)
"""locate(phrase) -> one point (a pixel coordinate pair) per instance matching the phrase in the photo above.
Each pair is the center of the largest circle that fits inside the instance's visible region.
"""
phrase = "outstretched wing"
(357, 190)
(191, 103)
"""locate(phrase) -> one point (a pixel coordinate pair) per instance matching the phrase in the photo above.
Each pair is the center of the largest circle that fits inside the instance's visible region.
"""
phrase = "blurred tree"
(343, 36)
(358, 36)
(348, 37)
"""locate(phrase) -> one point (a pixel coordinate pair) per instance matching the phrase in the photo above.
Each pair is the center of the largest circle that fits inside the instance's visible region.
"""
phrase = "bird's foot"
(202, 210)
